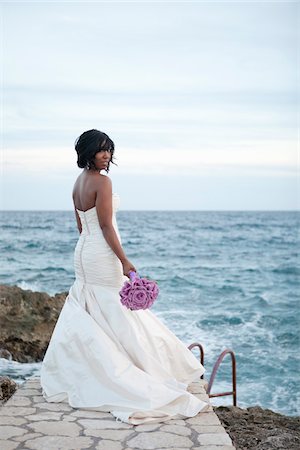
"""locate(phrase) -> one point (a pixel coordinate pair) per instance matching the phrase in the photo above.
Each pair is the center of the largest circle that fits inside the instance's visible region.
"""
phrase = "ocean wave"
(258, 300)
(10, 226)
(288, 339)
(30, 286)
(10, 247)
(219, 320)
(287, 270)
(33, 244)
(226, 288)
(54, 269)
(19, 372)
(178, 280)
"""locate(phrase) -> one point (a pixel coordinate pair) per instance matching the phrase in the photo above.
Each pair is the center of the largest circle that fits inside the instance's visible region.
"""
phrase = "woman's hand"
(127, 267)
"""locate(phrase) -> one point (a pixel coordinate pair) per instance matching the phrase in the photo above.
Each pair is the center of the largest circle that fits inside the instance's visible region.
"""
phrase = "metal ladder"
(219, 360)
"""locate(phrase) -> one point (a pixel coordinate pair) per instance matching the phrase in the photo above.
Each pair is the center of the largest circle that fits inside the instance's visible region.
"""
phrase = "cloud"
(183, 88)
(260, 159)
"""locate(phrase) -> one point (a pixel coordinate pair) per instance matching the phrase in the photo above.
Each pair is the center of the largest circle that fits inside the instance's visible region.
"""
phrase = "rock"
(262, 429)
(7, 389)
(27, 320)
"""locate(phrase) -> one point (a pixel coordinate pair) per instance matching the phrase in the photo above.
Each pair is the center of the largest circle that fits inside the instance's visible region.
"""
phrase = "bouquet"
(138, 293)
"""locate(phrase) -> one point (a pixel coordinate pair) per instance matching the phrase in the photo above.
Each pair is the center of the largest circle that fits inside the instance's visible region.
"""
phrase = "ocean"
(227, 279)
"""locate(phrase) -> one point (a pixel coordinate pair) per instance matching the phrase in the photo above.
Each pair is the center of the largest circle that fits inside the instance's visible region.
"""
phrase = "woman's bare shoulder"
(90, 181)
(102, 184)
(76, 182)
(104, 179)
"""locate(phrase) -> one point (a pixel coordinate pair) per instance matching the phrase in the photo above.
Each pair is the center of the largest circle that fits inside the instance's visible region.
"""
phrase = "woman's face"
(102, 159)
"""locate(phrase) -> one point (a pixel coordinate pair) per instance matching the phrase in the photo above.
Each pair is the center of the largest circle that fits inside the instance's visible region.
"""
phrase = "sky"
(200, 99)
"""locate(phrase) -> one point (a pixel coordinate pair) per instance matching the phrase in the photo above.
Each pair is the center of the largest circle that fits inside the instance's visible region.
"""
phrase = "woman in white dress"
(101, 355)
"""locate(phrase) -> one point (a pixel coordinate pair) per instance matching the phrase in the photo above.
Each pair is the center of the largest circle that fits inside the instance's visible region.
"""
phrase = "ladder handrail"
(201, 349)
(215, 368)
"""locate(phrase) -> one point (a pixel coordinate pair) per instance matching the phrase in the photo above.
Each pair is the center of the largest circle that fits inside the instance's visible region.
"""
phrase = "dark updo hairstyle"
(88, 144)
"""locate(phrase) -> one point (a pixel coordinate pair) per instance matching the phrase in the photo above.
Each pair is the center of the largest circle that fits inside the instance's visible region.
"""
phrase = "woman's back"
(85, 189)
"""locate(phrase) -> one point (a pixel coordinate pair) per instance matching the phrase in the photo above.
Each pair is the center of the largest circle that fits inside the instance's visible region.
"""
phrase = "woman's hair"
(88, 144)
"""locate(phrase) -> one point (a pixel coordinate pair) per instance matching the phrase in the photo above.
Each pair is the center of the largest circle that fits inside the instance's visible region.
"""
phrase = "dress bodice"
(89, 218)
(95, 262)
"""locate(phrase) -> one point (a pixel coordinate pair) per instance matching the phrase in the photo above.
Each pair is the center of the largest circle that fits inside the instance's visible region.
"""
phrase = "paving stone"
(108, 445)
(214, 447)
(174, 422)
(18, 401)
(209, 409)
(214, 439)
(68, 418)
(91, 414)
(48, 415)
(8, 445)
(59, 443)
(27, 392)
(11, 420)
(16, 411)
(53, 406)
(56, 428)
(209, 429)
(114, 435)
(177, 429)
(103, 424)
(8, 431)
(197, 387)
(147, 427)
(203, 397)
(32, 383)
(204, 419)
(173, 448)
(38, 399)
(27, 436)
(159, 439)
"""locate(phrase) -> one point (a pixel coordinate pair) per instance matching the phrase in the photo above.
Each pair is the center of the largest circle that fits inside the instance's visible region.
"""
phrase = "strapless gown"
(105, 357)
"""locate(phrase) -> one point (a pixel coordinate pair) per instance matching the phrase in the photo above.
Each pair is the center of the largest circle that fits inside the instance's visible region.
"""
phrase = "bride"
(101, 355)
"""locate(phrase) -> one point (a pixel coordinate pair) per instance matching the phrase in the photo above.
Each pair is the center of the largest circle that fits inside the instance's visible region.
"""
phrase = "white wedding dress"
(105, 357)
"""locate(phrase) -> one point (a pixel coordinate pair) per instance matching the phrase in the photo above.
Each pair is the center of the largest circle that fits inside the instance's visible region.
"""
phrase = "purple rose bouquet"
(138, 293)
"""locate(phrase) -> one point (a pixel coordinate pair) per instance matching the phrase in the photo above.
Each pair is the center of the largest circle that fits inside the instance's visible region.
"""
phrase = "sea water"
(227, 280)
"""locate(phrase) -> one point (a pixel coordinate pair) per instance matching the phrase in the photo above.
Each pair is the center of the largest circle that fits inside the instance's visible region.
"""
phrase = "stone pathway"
(27, 421)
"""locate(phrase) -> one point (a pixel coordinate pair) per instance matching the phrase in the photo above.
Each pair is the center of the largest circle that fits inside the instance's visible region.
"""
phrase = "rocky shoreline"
(27, 320)
(7, 388)
(256, 428)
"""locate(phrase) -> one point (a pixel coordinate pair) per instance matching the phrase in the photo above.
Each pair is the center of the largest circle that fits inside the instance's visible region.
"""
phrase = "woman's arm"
(104, 212)
(79, 226)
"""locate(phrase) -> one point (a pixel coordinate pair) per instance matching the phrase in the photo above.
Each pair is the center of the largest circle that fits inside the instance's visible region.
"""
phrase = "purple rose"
(140, 293)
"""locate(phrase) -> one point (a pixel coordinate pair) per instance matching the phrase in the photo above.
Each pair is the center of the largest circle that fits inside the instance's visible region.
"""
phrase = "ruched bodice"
(94, 260)
(89, 218)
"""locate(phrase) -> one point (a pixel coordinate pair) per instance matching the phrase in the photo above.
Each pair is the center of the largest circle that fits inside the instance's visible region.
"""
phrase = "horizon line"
(159, 210)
